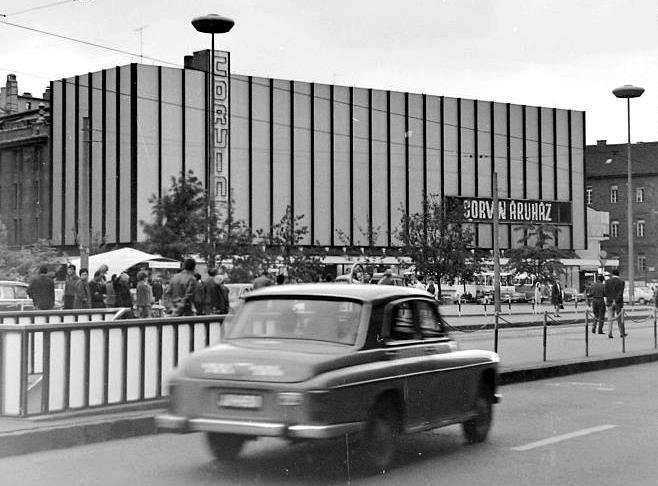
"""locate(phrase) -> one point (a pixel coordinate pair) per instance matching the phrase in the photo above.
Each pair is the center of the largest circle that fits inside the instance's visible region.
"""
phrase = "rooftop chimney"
(11, 103)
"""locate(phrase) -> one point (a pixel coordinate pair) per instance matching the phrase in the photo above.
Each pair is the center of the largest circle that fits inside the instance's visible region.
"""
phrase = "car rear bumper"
(175, 423)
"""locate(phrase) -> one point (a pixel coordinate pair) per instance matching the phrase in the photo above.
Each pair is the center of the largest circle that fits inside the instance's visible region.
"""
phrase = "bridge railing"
(68, 365)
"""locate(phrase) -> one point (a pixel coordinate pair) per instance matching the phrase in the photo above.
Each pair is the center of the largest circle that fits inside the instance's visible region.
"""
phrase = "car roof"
(12, 282)
(363, 292)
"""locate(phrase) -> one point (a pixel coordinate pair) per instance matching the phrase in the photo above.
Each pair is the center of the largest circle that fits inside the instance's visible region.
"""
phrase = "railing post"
(496, 331)
(623, 326)
(587, 332)
(544, 337)
(655, 335)
(459, 304)
(509, 304)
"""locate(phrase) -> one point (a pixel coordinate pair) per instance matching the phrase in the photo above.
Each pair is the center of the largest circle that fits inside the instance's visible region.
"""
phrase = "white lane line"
(560, 438)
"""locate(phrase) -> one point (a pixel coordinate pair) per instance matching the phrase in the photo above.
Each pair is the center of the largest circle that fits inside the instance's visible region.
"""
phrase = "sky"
(562, 53)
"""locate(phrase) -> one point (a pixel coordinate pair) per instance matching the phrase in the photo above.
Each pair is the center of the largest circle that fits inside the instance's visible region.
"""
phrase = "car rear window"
(7, 292)
(20, 292)
(333, 321)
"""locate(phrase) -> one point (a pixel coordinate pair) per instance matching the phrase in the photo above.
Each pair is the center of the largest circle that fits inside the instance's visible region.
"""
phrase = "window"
(639, 231)
(642, 263)
(614, 193)
(639, 194)
(614, 229)
(402, 323)
(430, 323)
(28, 105)
(588, 195)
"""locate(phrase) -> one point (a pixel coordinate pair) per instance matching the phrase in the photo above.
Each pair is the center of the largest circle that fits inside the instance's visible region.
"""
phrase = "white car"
(641, 294)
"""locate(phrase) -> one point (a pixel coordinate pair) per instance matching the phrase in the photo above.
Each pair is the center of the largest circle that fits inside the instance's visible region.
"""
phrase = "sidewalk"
(28, 435)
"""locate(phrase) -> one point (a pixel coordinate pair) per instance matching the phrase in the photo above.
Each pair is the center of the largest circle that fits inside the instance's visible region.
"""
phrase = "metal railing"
(68, 365)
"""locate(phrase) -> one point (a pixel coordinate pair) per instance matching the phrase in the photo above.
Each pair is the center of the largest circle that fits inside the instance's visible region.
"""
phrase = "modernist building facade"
(606, 190)
(348, 159)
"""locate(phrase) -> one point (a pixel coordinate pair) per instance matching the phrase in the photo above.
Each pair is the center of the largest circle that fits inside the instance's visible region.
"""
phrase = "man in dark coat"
(42, 290)
(614, 296)
(597, 294)
(97, 289)
(70, 286)
(212, 292)
(180, 293)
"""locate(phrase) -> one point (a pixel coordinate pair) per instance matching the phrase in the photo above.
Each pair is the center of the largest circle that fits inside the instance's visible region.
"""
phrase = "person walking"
(157, 289)
(597, 296)
(110, 295)
(69, 286)
(123, 298)
(82, 295)
(143, 295)
(556, 297)
(614, 296)
(431, 287)
(387, 279)
(180, 292)
(42, 290)
(536, 300)
(224, 306)
(211, 303)
(97, 289)
(263, 280)
(199, 295)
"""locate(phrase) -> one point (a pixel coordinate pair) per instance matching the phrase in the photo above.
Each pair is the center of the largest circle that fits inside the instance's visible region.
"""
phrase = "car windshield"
(333, 321)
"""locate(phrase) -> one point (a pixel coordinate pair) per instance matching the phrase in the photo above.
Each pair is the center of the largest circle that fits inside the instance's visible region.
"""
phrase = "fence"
(76, 362)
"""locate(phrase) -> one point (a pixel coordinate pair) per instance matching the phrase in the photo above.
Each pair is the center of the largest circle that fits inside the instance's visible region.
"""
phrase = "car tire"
(381, 435)
(224, 447)
(476, 429)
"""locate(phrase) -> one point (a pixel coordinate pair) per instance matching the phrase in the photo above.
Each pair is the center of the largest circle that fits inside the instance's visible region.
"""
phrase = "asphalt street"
(597, 428)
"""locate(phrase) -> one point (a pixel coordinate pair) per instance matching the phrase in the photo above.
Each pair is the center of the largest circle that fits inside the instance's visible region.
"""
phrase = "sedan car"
(324, 361)
(13, 296)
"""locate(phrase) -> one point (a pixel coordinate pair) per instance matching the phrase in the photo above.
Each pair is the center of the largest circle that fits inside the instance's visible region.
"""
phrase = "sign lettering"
(513, 210)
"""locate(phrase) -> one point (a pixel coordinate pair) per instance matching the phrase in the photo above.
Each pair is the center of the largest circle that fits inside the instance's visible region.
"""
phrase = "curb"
(105, 427)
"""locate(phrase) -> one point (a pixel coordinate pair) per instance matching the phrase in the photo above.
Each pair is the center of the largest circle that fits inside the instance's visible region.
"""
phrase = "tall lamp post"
(211, 24)
(628, 91)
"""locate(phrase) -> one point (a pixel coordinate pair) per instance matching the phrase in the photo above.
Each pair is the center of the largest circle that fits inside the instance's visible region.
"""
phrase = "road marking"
(560, 438)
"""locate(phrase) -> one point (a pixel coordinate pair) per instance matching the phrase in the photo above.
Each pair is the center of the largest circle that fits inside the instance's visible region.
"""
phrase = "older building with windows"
(606, 190)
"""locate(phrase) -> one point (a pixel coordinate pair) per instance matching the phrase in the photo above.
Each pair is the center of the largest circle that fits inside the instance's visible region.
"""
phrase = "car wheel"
(224, 446)
(381, 435)
(477, 428)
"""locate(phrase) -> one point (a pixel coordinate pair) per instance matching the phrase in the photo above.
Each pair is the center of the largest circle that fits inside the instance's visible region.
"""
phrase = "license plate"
(229, 400)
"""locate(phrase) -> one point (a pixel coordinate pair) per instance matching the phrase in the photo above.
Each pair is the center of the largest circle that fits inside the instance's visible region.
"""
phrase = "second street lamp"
(628, 91)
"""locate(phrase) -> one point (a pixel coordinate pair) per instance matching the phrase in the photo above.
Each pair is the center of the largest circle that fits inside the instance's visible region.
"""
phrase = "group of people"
(607, 294)
(188, 294)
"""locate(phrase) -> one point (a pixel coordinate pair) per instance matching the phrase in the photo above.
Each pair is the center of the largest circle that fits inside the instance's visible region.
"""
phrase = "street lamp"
(628, 91)
(211, 24)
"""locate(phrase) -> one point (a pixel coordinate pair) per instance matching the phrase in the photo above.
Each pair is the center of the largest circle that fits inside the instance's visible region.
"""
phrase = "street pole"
(84, 224)
(496, 247)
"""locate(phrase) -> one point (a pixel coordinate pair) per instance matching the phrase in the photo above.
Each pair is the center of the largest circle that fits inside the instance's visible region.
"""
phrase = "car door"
(403, 347)
(442, 378)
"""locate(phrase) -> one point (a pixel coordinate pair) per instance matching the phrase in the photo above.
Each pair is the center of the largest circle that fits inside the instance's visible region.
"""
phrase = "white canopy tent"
(122, 259)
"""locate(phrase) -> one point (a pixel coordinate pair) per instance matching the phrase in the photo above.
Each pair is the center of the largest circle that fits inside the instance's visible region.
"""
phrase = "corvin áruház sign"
(513, 210)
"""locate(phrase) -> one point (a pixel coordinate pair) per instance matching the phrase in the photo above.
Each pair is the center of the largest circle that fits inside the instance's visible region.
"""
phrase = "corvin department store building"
(345, 158)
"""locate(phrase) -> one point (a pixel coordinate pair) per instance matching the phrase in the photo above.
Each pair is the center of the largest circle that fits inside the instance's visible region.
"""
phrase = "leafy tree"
(538, 256)
(179, 219)
(438, 242)
(20, 264)
(283, 247)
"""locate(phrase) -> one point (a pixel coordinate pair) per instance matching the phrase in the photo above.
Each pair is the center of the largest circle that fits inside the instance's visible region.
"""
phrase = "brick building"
(25, 188)
(605, 190)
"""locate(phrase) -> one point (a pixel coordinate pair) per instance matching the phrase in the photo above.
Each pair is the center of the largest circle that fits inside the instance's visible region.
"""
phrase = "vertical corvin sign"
(219, 183)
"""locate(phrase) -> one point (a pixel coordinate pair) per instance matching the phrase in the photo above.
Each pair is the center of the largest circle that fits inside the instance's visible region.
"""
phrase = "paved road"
(596, 428)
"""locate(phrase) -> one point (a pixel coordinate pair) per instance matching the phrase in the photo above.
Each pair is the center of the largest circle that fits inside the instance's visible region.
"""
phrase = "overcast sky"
(565, 54)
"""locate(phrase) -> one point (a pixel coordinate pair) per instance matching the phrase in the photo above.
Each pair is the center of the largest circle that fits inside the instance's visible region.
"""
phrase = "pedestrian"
(123, 298)
(143, 295)
(223, 306)
(97, 289)
(280, 279)
(69, 286)
(42, 290)
(180, 292)
(597, 296)
(556, 297)
(211, 304)
(157, 289)
(263, 280)
(103, 271)
(199, 295)
(536, 300)
(431, 288)
(82, 295)
(387, 279)
(110, 296)
(614, 296)
(419, 284)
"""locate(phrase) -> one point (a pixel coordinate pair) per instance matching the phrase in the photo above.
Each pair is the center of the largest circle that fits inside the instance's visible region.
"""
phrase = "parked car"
(642, 294)
(236, 293)
(322, 361)
(13, 296)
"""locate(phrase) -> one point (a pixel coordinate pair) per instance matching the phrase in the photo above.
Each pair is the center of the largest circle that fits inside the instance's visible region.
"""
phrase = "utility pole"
(84, 223)
(496, 248)
(140, 31)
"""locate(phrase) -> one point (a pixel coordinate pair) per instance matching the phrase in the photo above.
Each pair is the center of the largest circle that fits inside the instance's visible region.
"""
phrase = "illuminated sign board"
(481, 209)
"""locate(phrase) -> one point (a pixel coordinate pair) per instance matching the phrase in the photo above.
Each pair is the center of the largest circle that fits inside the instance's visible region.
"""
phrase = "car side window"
(403, 326)
(21, 292)
(429, 321)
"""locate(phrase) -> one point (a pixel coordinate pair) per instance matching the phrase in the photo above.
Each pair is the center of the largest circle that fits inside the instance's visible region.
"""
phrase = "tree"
(283, 248)
(179, 219)
(438, 242)
(20, 264)
(537, 256)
